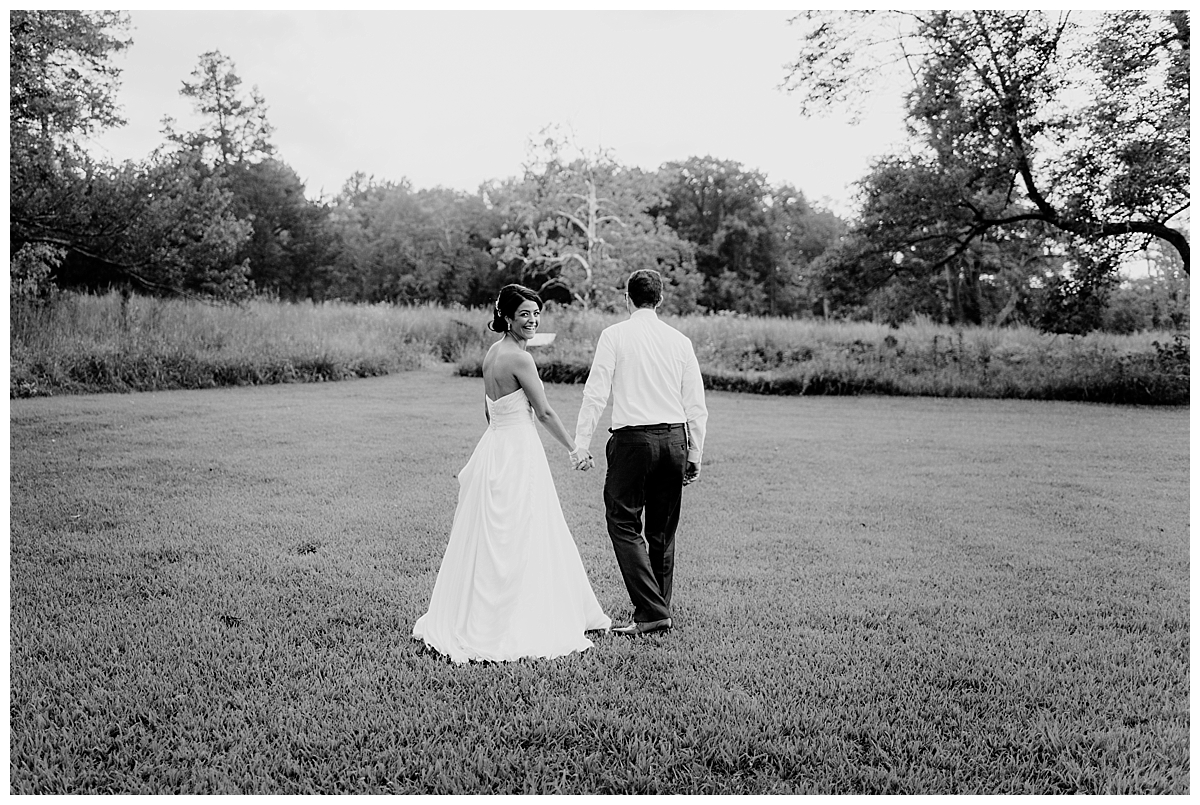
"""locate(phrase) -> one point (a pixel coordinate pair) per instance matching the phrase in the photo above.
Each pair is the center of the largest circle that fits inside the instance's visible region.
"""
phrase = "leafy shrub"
(30, 270)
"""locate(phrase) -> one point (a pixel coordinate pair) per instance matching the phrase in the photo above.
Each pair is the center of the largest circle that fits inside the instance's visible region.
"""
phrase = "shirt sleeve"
(596, 391)
(693, 406)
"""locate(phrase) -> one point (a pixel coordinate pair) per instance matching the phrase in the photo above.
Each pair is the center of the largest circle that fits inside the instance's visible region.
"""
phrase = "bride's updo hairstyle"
(511, 297)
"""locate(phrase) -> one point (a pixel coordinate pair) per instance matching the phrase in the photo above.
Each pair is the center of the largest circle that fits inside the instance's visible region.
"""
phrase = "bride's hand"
(581, 459)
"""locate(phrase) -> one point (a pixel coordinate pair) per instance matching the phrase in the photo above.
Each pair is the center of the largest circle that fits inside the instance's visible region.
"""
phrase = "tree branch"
(130, 271)
(1102, 229)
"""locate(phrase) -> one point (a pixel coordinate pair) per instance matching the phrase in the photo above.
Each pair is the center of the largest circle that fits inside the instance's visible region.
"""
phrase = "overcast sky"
(451, 98)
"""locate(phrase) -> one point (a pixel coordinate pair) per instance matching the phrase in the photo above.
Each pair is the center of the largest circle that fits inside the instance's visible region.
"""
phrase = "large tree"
(754, 243)
(288, 252)
(61, 89)
(893, 262)
(1074, 123)
(234, 128)
(156, 225)
(578, 223)
(289, 249)
(401, 245)
(799, 234)
(461, 227)
(61, 80)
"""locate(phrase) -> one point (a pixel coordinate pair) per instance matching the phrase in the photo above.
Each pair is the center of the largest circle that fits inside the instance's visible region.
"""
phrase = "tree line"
(976, 224)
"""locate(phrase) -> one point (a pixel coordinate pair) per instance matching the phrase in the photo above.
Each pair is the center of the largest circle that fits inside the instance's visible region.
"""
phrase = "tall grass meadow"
(812, 356)
(106, 343)
(111, 343)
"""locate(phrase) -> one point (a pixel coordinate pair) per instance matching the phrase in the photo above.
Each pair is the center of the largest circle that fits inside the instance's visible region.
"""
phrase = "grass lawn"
(213, 591)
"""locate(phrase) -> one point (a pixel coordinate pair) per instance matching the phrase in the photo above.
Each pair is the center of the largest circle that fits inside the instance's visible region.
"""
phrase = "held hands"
(581, 459)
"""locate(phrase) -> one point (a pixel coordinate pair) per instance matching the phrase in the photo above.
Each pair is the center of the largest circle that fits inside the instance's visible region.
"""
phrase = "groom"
(658, 423)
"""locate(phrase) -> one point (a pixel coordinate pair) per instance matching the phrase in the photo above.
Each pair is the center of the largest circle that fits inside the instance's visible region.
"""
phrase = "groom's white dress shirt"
(651, 370)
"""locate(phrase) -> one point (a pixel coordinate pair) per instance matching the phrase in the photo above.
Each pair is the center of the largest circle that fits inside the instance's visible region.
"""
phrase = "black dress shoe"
(638, 629)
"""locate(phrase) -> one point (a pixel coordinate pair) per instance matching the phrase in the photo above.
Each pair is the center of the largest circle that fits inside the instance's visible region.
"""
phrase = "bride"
(511, 583)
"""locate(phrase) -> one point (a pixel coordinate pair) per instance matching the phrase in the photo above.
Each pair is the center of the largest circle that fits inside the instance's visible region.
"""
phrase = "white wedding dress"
(511, 584)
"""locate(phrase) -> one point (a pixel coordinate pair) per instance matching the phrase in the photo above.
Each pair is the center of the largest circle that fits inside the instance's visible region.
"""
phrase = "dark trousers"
(645, 473)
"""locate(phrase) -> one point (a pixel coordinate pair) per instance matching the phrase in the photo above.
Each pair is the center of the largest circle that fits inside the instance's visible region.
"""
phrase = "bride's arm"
(526, 373)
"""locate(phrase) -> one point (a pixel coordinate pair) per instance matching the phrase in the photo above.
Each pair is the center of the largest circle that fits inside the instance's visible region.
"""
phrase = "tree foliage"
(398, 245)
(754, 243)
(1158, 298)
(1021, 190)
(234, 128)
(159, 225)
(61, 80)
(1074, 133)
(288, 250)
(575, 227)
(61, 88)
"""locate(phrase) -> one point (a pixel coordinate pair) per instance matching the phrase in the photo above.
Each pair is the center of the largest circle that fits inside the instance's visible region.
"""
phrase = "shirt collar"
(642, 312)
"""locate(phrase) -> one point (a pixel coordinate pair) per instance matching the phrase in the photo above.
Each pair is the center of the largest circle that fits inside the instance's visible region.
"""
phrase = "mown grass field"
(213, 591)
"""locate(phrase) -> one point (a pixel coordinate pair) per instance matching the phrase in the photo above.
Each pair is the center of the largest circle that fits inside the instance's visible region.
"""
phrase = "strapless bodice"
(511, 409)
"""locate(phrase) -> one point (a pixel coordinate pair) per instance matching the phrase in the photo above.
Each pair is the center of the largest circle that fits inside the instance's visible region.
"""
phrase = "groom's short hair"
(645, 287)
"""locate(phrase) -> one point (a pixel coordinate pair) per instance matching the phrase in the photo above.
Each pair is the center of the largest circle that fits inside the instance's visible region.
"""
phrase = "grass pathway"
(212, 591)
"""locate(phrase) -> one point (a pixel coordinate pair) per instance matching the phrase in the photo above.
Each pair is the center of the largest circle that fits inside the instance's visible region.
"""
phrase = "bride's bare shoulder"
(502, 360)
(506, 355)
(494, 353)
